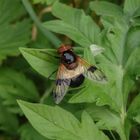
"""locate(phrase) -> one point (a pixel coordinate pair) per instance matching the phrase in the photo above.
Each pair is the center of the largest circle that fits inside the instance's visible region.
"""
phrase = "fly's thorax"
(71, 73)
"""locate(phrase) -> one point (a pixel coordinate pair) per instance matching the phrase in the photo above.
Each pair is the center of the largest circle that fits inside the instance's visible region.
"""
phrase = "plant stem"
(50, 36)
(47, 92)
(123, 115)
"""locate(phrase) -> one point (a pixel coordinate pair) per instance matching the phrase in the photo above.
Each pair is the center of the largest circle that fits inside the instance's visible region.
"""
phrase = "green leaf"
(75, 24)
(16, 9)
(106, 119)
(14, 85)
(93, 92)
(13, 33)
(96, 92)
(128, 84)
(42, 60)
(50, 36)
(116, 38)
(90, 130)
(133, 38)
(136, 22)
(41, 42)
(121, 42)
(52, 123)
(48, 2)
(62, 27)
(8, 121)
(116, 35)
(133, 45)
(137, 118)
(106, 8)
(132, 7)
(27, 132)
(134, 109)
(132, 65)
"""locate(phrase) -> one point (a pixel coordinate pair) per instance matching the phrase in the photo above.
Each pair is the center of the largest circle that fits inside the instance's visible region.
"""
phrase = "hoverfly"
(71, 72)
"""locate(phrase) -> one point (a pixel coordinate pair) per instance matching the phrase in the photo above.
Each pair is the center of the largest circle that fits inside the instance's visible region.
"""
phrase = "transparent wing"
(62, 85)
(92, 72)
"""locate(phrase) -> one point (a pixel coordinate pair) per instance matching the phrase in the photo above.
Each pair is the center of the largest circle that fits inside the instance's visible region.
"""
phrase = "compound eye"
(69, 58)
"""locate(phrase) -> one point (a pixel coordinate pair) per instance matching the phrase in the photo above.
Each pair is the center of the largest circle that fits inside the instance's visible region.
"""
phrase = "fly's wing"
(62, 85)
(92, 72)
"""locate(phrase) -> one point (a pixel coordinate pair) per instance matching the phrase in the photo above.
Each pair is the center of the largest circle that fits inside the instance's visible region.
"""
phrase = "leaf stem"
(47, 92)
(50, 36)
(123, 115)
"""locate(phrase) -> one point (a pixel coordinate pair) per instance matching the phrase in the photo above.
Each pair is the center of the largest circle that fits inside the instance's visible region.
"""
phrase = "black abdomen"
(77, 81)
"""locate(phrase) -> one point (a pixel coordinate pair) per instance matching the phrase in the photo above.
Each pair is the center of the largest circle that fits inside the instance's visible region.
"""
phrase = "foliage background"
(30, 33)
